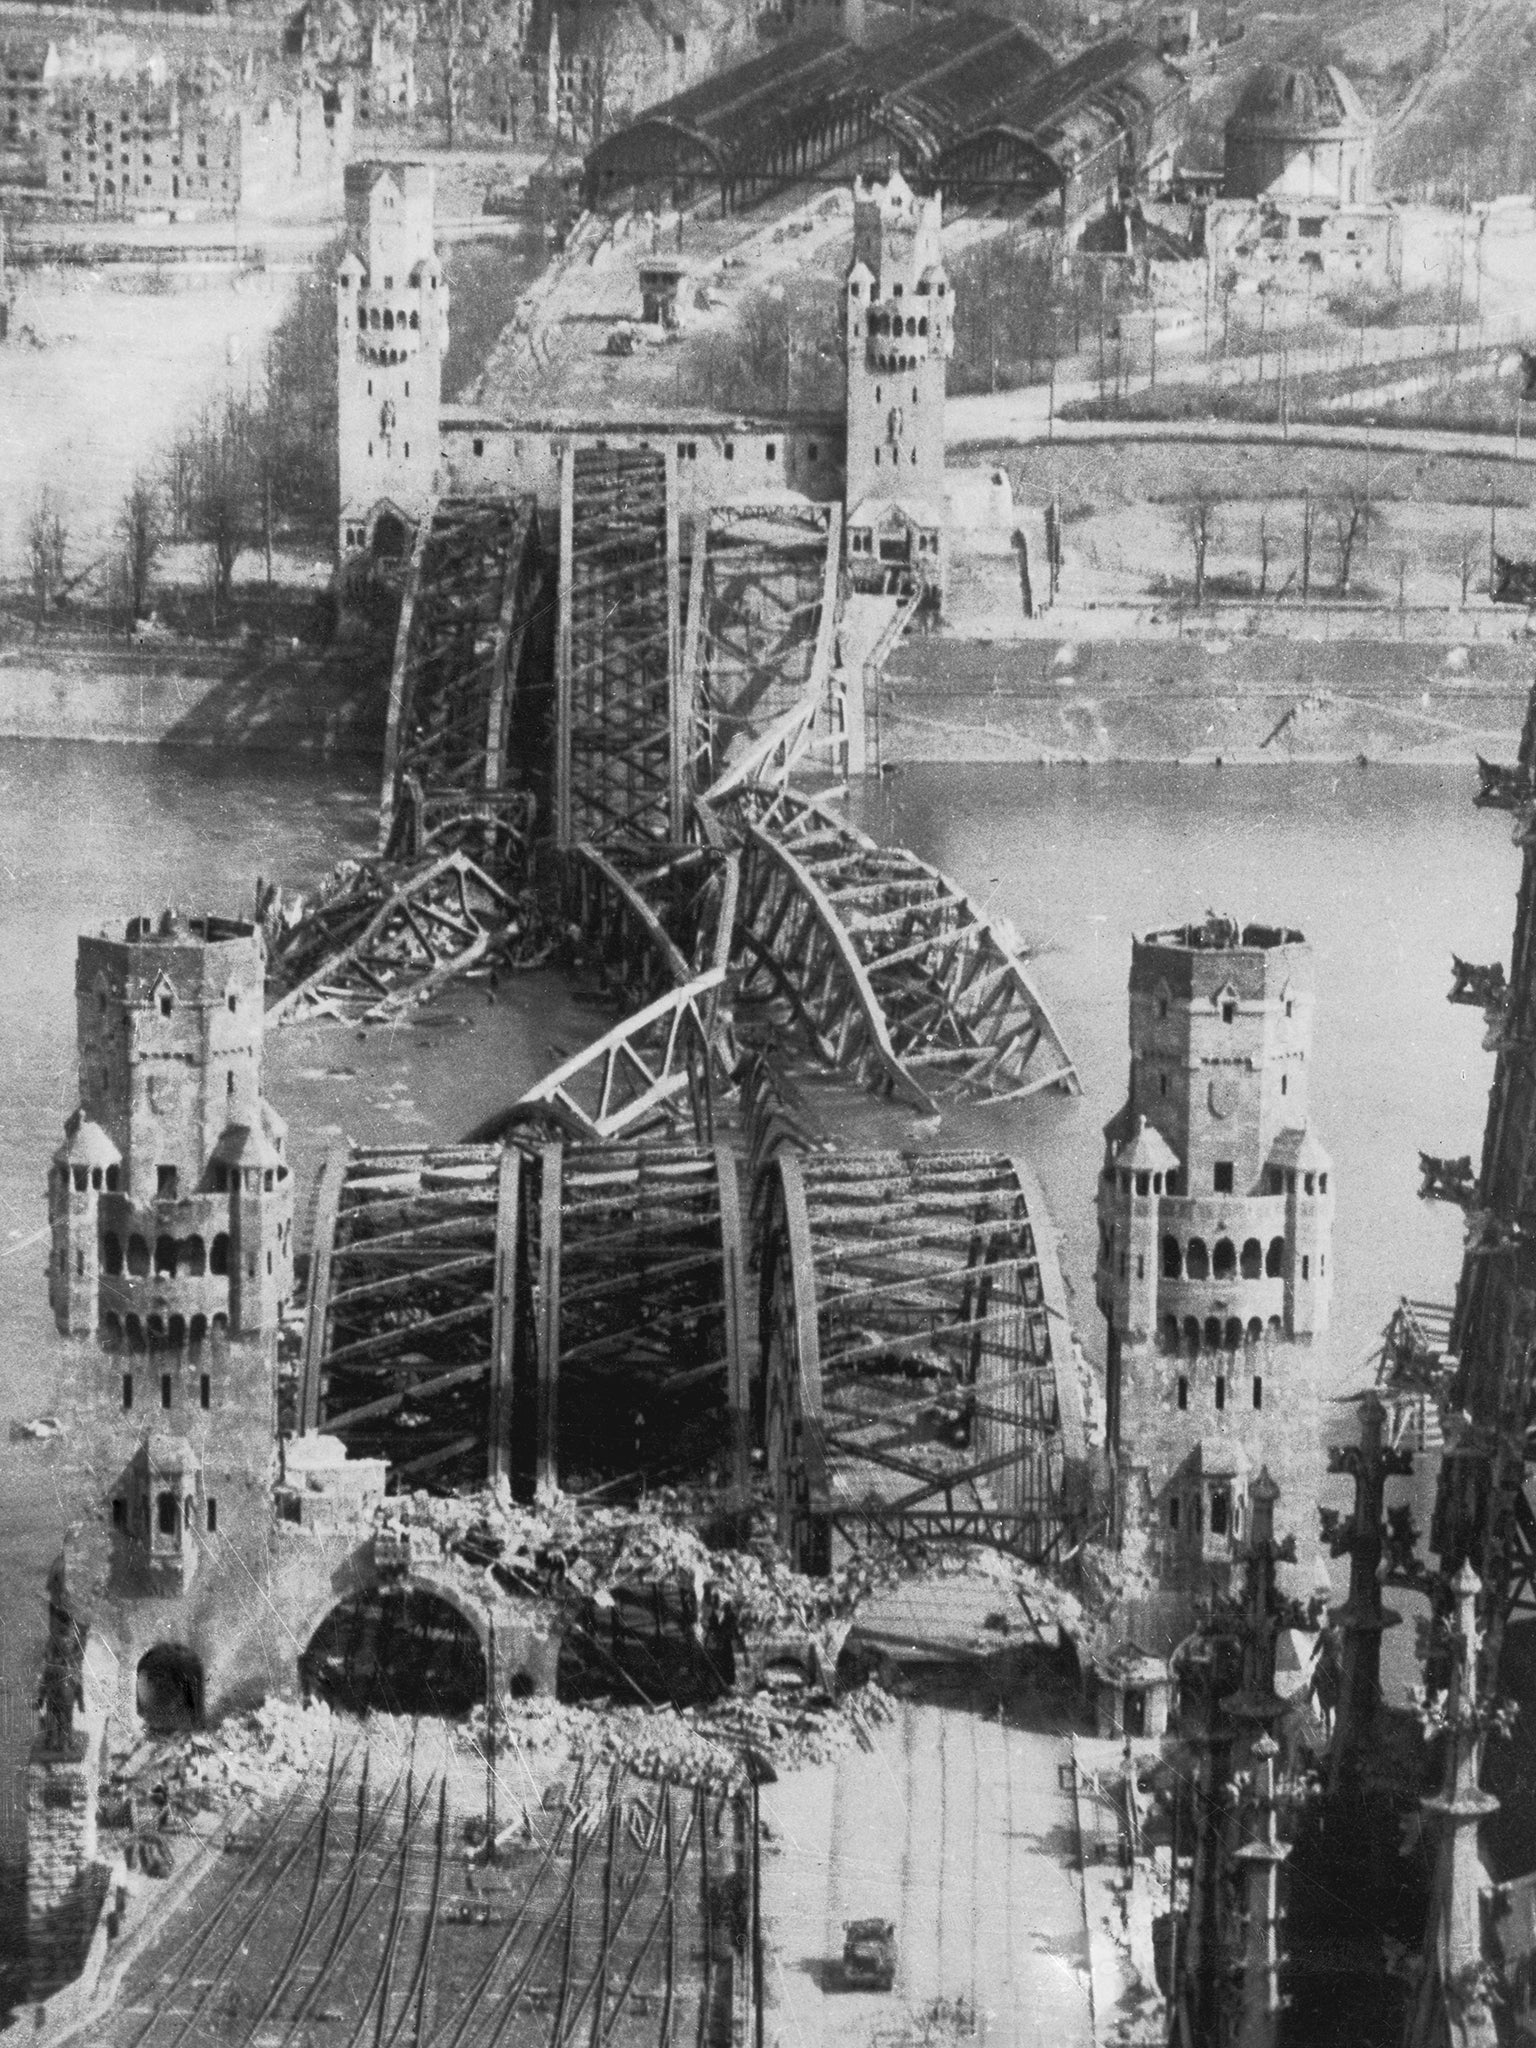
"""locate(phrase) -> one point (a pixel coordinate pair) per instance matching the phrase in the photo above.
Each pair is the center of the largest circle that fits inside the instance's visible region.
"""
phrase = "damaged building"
(1299, 182)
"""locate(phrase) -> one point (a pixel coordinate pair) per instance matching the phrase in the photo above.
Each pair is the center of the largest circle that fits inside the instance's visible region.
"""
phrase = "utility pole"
(1306, 543)
(1493, 537)
(490, 1745)
(1153, 381)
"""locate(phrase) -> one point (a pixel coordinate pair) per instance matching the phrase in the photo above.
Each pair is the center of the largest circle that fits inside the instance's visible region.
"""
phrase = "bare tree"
(1465, 566)
(224, 472)
(1352, 518)
(141, 529)
(47, 542)
(1198, 518)
(1265, 551)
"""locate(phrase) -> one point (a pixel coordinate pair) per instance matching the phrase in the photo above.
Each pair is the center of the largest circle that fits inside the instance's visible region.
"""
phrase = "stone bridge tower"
(171, 1206)
(391, 334)
(1215, 1222)
(899, 336)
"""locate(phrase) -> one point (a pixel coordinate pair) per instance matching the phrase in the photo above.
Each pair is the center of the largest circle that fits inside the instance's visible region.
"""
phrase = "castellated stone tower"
(171, 1205)
(1215, 1219)
(391, 334)
(899, 338)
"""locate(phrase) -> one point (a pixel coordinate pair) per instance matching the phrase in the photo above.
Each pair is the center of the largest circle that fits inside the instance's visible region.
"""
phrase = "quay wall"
(941, 698)
(204, 697)
(1261, 701)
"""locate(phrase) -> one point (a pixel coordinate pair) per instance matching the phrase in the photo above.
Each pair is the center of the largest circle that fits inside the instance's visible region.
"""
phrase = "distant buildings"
(1300, 133)
(1299, 181)
(204, 147)
(881, 458)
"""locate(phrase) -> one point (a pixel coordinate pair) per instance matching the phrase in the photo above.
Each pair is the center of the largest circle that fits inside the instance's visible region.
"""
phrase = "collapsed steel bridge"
(590, 749)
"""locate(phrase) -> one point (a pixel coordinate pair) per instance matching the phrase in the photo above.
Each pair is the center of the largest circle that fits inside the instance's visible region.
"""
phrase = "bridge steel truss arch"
(884, 964)
(893, 1284)
(624, 732)
(473, 588)
(484, 1315)
(764, 603)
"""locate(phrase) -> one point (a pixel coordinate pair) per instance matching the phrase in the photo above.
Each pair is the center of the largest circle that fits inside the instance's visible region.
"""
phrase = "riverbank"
(248, 700)
(1047, 699)
(1261, 702)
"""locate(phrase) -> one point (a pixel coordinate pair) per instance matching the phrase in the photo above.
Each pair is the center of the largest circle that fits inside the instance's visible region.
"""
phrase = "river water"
(1386, 870)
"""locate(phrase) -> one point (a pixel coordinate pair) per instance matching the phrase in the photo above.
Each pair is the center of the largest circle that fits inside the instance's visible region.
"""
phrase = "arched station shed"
(788, 115)
(1117, 111)
(918, 1376)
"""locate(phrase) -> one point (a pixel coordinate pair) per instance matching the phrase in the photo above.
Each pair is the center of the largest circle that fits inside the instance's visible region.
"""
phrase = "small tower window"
(212, 1510)
(205, 1391)
(1183, 1392)
(1229, 1013)
(119, 1513)
(1221, 1402)
(233, 1001)
(1173, 1511)
(165, 1183)
(1222, 1177)
(1285, 1084)
(167, 1517)
(165, 1390)
(165, 1006)
(1221, 1504)
(127, 1391)
(1306, 1267)
(1258, 1391)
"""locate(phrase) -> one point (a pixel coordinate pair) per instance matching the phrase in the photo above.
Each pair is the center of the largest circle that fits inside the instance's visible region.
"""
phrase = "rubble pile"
(696, 1745)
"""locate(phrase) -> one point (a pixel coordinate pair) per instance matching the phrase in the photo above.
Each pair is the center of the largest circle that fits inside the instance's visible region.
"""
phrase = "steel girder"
(915, 1358)
(410, 1338)
(762, 632)
(390, 937)
(650, 1074)
(642, 1366)
(474, 1308)
(885, 964)
(651, 918)
(474, 582)
(622, 728)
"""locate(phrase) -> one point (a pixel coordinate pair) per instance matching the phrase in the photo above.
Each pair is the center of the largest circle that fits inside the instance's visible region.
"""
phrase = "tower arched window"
(1192, 1336)
(165, 1255)
(1234, 1333)
(167, 1514)
(1255, 1330)
(1252, 1262)
(1173, 1259)
(111, 1253)
(194, 1256)
(1224, 1259)
(138, 1256)
(218, 1256)
(1197, 1262)
(1170, 1333)
(1210, 1336)
(1274, 1259)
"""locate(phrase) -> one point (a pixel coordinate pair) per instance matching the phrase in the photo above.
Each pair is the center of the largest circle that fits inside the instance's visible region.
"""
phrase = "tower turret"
(899, 336)
(171, 1203)
(1215, 1220)
(391, 333)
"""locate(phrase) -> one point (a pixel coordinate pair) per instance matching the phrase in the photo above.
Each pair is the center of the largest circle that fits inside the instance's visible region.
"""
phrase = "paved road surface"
(958, 1830)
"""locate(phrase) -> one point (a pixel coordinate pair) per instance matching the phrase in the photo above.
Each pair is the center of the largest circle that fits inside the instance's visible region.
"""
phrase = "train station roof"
(928, 86)
(1066, 117)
